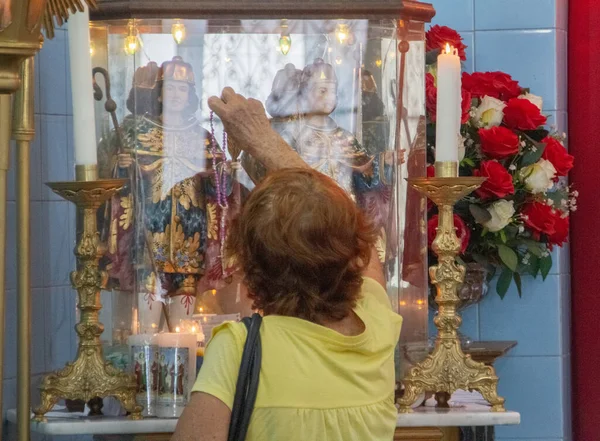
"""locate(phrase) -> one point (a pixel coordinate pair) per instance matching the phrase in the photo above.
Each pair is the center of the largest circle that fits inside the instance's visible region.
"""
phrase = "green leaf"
(503, 236)
(531, 157)
(480, 214)
(538, 134)
(535, 248)
(508, 257)
(504, 282)
(517, 279)
(534, 265)
(468, 161)
(545, 265)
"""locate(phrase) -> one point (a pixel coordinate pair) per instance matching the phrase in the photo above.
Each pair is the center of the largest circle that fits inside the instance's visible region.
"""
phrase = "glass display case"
(346, 93)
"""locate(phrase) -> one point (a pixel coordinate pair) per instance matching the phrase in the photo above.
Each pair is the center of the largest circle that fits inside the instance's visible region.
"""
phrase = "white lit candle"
(448, 106)
(84, 126)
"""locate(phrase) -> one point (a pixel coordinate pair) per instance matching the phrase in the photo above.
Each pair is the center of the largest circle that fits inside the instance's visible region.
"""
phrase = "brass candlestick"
(89, 376)
(448, 368)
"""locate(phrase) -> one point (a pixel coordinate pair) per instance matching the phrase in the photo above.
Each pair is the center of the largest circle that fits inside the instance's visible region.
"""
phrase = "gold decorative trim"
(86, 172)
(446, 169)
(448, 369)
(89, 377)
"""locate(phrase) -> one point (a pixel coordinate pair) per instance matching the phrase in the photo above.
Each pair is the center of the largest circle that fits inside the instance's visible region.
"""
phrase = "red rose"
(495, 84)
(503, 84)
(556, 153)
(466, 106)
(521, 114)
(499, 182)
(477, 84)
(430, 97)
(462, 231)
(498, 142)
(561, 229)
(437, 37)
(540, 218)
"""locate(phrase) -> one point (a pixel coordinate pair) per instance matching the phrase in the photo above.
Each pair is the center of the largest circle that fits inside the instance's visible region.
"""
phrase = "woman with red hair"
(328, 333)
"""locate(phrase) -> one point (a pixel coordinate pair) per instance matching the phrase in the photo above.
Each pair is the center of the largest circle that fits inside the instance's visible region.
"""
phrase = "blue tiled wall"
(527, 39)
(52, 231)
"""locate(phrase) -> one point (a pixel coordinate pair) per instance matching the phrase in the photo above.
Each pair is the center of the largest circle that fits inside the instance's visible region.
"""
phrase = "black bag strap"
(248, 379)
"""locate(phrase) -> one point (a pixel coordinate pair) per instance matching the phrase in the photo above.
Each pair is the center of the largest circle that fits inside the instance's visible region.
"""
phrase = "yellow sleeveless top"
(315, 383)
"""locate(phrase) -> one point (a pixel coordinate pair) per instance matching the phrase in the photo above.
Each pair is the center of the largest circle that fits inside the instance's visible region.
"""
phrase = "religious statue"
(180, 185)
(375, 124)
(323, 144)
(282, 106)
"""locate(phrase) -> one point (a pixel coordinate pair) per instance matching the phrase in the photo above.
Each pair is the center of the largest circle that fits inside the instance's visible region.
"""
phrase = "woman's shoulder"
(229, 333)
(372, 291)
(375, 303)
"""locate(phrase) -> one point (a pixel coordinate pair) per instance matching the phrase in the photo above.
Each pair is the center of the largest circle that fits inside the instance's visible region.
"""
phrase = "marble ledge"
(461, 416)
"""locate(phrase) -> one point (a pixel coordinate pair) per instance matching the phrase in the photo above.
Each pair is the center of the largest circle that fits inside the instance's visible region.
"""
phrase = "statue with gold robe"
(180, 184)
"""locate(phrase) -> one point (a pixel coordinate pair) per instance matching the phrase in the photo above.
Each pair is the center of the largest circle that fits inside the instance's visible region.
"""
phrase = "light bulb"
(378, 63)
(131, 41)
(177, 329)
(285, 44)
(285, 41)
(178, 31)
(342, 32)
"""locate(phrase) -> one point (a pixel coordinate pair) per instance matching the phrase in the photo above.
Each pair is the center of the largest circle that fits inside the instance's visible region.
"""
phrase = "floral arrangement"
(512, 222)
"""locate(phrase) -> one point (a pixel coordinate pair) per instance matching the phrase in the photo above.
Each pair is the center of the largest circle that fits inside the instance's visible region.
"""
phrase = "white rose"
(490, 112)
(538, 101)
(538, 177)
(502, 212)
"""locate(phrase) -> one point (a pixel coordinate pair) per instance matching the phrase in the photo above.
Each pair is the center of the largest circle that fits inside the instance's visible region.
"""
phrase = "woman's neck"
(350, 326)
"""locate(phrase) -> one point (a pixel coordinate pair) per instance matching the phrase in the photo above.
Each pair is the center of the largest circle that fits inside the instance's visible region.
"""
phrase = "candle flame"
(448, 48)
(193, 329)
(420, 302)
(177, 329)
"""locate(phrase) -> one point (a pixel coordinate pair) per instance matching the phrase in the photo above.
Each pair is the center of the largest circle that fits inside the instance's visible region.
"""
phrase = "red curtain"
(584, 143)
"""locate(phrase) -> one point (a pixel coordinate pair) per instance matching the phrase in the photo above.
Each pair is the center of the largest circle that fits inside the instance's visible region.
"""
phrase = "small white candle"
(448, 106)
(84, 126)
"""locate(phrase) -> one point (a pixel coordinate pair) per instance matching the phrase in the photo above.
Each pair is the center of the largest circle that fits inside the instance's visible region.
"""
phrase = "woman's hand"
(247, 125)
(244, 119)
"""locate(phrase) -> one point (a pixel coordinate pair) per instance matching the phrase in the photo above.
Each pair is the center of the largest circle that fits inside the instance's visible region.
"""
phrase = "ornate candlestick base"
(89, 377)
(448, 368)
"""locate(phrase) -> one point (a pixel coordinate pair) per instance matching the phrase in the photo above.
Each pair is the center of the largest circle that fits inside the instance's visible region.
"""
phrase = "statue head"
(175, 89)
(318, 88)
(283, 100)
(140, 97)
